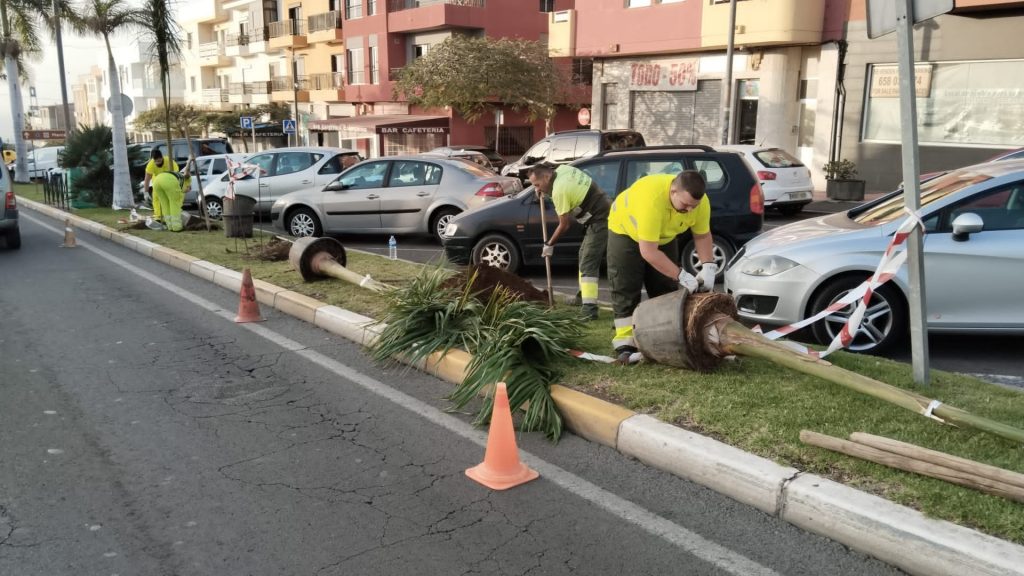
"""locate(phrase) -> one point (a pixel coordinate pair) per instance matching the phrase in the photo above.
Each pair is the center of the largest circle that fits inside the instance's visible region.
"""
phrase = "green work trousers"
(628, 274)
(592, 253)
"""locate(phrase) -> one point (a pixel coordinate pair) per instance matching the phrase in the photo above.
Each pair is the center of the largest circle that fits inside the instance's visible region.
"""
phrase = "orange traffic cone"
(69, 235)
(248, 308)
(501, 468)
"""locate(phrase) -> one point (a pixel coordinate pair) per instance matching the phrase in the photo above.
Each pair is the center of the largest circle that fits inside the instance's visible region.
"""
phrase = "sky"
(80, 54)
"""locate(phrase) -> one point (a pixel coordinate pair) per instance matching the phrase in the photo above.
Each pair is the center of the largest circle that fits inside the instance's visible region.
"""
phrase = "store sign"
(43, 134)
(412, 130)
(664, 75)
(885, 81)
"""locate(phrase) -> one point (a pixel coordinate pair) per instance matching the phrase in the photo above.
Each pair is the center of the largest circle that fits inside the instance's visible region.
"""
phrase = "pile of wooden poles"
(912, 458)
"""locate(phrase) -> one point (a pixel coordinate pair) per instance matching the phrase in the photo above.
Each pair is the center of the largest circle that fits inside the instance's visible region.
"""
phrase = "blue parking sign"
(246, 122)
(289, 126)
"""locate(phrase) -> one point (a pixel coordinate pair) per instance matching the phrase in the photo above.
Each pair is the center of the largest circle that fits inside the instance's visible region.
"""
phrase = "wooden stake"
(939, 458)
(911, 465)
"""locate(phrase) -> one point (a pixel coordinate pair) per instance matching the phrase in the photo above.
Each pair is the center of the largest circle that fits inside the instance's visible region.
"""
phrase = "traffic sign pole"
(912, 187)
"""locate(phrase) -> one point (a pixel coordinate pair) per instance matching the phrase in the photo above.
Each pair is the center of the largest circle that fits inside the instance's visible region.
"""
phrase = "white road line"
(693, 543)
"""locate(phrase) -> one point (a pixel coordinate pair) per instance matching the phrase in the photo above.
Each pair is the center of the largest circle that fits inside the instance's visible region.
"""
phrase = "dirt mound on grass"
(274, 251)
(488, 279)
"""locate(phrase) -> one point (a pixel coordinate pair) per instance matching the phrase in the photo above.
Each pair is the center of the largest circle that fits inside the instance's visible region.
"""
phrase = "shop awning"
(365, 126)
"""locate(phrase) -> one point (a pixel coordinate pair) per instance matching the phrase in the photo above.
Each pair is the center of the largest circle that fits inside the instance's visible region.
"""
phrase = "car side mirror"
(335, 186)
(966, 224)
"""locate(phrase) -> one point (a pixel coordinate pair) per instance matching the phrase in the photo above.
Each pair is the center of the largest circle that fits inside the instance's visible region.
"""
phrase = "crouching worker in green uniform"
(576, 196)
(169, 191)
(642, 248)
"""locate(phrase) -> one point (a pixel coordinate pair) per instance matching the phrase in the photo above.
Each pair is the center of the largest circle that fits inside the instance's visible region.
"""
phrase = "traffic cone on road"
(248, 308)
(501, 468)
(69, 235)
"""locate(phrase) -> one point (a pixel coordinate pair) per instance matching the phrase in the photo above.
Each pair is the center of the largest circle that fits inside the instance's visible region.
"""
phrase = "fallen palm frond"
(519, 342)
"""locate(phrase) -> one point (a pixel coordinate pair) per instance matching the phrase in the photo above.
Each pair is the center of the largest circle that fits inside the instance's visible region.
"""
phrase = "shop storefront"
(386, 134)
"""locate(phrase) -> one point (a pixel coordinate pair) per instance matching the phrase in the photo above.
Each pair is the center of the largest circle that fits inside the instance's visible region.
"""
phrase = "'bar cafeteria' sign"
(664, 75)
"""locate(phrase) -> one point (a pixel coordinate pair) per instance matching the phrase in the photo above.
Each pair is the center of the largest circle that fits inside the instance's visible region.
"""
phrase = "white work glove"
(687, 281)
(547, 251)
(706, 276)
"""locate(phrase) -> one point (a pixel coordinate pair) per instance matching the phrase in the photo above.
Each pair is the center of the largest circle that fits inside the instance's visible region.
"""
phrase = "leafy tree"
(471, 74)
(89, 149)
(105, 18)
(180, 117)
(159, 24)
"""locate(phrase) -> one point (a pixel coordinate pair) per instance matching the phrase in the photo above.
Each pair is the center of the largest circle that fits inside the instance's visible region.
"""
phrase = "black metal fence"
(55, 192)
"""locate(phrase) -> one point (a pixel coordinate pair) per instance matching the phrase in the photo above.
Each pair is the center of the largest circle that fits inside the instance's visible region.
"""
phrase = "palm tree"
(105, 18)
(20, 20)
(164, 34)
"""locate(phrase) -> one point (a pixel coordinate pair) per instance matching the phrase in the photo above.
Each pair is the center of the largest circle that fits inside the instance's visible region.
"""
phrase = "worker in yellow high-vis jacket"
(157, 165)
(169, 194)
(644, 222)
(576, 196)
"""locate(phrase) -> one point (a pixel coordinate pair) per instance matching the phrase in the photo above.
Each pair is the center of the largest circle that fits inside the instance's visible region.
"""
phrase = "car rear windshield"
(931, 191)
(473, 168)
(618, 140)
(776, 158)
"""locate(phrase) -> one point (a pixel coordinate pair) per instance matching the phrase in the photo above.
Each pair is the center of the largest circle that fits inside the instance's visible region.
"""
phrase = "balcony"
(325, 27)
(763, 23)
(284, 90)
(421, 15)
(237, 93)
(215, 98)
(287, 34)
(562, 34)
(327, 87)
(258, 92)
(236, 45)
(211, 54)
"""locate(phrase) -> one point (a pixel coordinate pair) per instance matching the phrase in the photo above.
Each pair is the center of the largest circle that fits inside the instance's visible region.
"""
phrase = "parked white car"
(208, 169)
(974, 264)
(785, 181)
(282, 170)
(42, 160)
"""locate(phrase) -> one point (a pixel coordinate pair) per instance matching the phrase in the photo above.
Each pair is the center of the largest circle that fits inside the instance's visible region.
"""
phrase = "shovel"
(547, 259)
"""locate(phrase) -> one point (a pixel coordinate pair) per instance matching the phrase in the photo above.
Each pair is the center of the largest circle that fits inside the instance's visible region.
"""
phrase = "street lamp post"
(724, 117)
(68, 126)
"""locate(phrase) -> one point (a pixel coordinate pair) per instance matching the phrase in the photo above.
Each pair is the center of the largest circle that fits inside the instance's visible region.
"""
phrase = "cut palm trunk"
(698, 331)
(909, 464)
(939, 458)
(317, 258)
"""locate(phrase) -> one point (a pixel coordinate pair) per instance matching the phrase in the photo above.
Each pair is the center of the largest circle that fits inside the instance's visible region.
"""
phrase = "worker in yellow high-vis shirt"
(576, 196)
(156, 165)
(644, 222)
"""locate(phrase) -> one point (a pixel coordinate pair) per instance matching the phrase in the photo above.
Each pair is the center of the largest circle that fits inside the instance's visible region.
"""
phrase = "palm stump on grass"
(697, 331)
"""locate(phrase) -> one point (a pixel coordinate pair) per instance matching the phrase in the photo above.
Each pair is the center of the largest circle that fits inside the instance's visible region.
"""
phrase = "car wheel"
(496, 251)
(884, 323)
(722, 252)
(303, 222)
(214, 207)
(13, 239)
(439, 221)
(791, 210)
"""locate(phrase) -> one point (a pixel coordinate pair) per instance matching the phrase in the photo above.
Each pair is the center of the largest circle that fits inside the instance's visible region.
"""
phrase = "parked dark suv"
(572, 145)
(506, 233)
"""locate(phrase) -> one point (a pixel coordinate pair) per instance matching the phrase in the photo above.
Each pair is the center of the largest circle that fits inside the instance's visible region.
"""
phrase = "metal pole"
(295, 97)
(912, 186)
(68, 126)
(724, 117)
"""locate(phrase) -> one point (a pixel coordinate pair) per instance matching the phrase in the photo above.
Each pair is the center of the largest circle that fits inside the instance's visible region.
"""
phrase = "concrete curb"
(872, 525)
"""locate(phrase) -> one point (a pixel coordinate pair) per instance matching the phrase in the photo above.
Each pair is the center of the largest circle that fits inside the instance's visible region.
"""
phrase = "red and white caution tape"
(238, 171)
(890, 264)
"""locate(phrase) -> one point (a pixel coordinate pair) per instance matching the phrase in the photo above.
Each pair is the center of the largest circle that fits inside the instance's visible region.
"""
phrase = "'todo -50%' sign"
(664, 75)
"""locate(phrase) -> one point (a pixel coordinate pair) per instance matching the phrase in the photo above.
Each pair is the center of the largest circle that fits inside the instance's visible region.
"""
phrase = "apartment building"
(970, 90)
(51, 117)
(87, 95)
(139, 77)
(659, 67)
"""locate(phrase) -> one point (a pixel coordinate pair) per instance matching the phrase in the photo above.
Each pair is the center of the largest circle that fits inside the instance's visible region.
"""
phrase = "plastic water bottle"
(392, 248)
(134, 216)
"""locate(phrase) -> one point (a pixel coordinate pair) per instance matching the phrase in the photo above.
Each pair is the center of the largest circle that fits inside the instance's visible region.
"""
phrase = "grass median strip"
(749, 403)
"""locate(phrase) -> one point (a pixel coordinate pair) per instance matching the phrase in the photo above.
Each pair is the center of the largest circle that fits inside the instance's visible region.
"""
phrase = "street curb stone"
(893, 533)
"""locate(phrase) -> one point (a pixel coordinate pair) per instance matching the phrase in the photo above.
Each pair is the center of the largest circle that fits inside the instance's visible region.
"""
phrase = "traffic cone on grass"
(501, 468)
(69, 235)
(248, 308)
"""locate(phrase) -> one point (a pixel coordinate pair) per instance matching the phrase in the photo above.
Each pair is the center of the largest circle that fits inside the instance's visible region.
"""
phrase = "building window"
(192, 83)
(582, 71)
(609, 104)
(374, 69)
(419, 50)
(547, 5)
(958, 103)
(188, 40)
(354, 66)
(371, 7)
(637, 3)
(353, 9)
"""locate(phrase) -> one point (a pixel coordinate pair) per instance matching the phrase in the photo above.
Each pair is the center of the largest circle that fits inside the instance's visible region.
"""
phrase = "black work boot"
(589, 312)
(622, 353)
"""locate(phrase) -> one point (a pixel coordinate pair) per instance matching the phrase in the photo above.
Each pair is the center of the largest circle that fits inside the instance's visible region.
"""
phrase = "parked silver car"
(974, 263)
(282, 170)
(397, 194)
(208, 168)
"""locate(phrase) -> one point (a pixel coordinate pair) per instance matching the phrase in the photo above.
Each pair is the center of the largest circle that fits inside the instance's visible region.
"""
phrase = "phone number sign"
(664, 75)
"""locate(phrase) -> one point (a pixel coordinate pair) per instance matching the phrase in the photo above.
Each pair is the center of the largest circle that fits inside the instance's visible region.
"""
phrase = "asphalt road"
(992, 358)
(144, 432)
